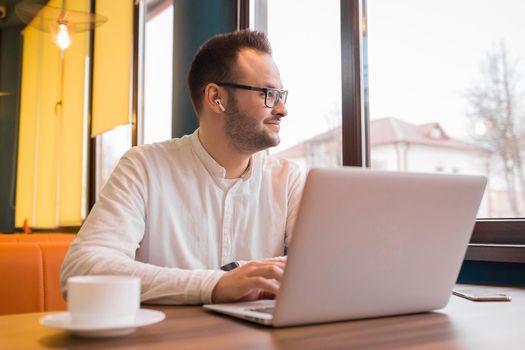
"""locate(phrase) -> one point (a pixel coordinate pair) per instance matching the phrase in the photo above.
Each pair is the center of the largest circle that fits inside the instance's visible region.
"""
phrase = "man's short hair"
(215, 60)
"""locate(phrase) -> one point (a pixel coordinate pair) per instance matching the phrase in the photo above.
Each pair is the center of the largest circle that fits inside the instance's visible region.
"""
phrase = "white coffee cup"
(103, 300)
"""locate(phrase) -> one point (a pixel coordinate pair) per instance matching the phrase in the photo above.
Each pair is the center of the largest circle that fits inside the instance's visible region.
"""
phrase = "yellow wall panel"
(45, 205)
(73, 128)
(112, 66)
(51, 171)
(29, 121)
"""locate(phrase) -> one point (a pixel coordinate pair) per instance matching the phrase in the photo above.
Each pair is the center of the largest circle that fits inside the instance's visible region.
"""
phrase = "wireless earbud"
(218, 102)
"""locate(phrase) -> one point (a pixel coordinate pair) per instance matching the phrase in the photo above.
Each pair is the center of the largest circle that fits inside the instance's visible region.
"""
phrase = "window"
(308, 54)
(158, 63)
(495, 238)
(153, 83)
(425, 76)
(445, 82)
(110, 147)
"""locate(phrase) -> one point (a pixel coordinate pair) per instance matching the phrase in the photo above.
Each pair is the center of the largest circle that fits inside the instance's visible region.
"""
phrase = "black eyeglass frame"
(282, 95)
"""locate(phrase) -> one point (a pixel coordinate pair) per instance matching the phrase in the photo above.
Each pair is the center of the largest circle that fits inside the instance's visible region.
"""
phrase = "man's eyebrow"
(271, 86)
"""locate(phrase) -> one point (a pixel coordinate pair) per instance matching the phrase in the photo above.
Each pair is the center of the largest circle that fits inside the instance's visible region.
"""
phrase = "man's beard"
(243, 131)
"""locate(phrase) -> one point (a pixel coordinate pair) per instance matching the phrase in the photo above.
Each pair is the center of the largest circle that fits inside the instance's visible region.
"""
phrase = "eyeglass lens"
(273, 97)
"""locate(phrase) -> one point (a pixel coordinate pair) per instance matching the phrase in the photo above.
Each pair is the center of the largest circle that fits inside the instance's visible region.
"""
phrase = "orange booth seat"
(30, 272)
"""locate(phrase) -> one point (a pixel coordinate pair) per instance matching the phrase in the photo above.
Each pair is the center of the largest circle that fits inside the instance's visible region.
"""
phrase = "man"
(174, 212)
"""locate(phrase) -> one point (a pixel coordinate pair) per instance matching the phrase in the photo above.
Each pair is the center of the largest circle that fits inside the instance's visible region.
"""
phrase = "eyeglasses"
(271, 96)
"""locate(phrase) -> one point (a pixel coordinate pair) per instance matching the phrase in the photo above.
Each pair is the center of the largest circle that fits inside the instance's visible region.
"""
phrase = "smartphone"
(481, 295)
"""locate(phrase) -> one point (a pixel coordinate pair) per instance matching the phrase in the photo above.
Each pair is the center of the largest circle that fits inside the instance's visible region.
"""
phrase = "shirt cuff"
(208, 284)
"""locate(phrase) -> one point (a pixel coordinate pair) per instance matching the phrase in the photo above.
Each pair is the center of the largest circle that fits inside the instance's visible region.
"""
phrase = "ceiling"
(12, 20)
(153, 7)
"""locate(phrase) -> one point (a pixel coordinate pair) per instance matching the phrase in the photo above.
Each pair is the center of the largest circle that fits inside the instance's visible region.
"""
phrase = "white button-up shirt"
(168, 216)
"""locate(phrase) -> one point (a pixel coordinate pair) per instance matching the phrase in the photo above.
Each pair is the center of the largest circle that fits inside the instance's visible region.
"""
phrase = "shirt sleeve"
(107, 243)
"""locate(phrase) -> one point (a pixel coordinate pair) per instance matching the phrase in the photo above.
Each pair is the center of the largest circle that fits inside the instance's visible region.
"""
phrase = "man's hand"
(252, 281)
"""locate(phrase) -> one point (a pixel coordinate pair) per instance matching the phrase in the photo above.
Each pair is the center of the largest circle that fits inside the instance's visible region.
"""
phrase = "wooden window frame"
(492, 240)
(495, 240)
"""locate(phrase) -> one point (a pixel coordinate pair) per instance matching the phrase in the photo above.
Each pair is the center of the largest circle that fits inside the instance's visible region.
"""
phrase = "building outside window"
(308, 53)
(446, 89)
(446, 92)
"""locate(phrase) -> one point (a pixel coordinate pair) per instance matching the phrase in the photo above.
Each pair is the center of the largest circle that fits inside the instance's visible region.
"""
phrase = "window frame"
(497, 240)
(493, 240)
(356, 120)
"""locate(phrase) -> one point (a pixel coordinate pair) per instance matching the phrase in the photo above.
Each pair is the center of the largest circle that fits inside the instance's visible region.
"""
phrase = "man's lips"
(273, 121)
(274, 124)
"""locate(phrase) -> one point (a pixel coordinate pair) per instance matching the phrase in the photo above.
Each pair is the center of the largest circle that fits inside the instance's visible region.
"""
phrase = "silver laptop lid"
(372, 243)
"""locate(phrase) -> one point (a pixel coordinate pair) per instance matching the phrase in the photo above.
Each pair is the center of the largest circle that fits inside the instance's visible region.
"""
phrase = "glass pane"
(157, 91)
(306, 42)
(111, 146)
(446, 92)
(158, 62)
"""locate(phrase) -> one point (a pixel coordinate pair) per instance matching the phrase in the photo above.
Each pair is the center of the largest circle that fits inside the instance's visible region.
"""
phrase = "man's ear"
(214, 98)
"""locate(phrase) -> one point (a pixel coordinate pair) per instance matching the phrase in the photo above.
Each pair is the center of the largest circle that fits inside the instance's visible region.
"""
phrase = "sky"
(158, 64)
(423, 56)
(306, 43)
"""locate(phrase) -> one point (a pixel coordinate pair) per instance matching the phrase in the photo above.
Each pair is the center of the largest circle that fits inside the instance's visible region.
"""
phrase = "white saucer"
(62, 320)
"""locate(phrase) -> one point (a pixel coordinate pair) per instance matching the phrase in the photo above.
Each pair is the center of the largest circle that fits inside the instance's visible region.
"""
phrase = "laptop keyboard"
(265, 310)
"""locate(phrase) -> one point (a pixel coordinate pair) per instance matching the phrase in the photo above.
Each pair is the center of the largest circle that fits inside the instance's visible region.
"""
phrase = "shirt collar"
(249, 170)
(211, 164)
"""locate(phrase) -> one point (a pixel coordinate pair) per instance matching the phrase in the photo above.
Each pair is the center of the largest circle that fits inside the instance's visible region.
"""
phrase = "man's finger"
(270, 271)
(266, 285)
(256, 263)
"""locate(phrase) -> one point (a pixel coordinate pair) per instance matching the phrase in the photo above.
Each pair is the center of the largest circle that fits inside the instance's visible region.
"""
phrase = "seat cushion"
(37, 237)
(53, 254)
(22, 278)
(30, 273)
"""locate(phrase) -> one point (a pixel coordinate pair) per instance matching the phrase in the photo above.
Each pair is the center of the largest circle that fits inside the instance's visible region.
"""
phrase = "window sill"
(510, 253)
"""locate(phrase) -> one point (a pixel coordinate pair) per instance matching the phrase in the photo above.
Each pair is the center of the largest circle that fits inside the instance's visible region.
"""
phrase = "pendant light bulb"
(63, 39)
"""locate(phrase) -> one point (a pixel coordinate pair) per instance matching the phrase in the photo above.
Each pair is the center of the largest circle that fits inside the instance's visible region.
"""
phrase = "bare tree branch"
(496, 101)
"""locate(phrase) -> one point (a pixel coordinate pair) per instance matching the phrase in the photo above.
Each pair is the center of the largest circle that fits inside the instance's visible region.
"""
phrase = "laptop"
(369, 244)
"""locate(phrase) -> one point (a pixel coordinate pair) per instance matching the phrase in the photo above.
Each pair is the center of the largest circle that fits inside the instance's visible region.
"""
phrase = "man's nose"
(280, 109)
